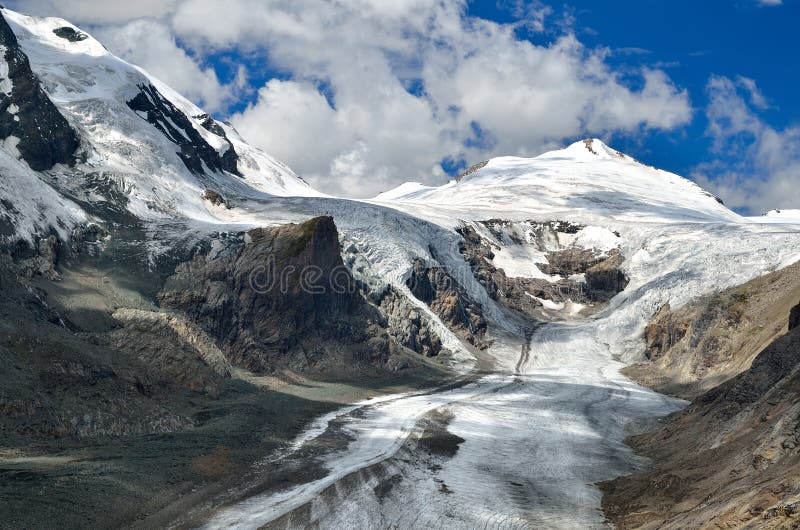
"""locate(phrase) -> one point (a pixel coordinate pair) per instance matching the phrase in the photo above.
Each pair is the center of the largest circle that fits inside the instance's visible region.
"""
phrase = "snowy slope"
(791, 216)
(584, 182)
(120, 149)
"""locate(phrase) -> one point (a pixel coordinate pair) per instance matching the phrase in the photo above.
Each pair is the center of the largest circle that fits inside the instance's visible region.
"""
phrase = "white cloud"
(770, 2)
(525, 98)
(345, 118)
(151, 45)
(758, 166)
(95, 11)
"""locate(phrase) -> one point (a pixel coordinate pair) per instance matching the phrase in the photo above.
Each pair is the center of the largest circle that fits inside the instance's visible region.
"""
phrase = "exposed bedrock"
(580, 275)
(731, 459)
(449, 301)
(280, 297)
(195, 152)
(43, 136)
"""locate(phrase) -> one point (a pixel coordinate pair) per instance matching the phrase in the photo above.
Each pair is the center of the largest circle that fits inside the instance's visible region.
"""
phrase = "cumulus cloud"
(392, 88)
(757, 166)
(95, 11)
(374, 93)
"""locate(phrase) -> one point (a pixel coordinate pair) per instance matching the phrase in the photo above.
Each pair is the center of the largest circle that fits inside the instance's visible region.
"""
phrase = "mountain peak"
(586, 149)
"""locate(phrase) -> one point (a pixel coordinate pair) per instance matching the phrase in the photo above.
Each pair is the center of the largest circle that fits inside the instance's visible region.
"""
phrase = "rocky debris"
(39, 259)
(70, 34)
(214, 198)
(695, 347)
(41, 134)
(280, 297)
(448, 300)
(173, 349)
(197, 154)
(731, 458)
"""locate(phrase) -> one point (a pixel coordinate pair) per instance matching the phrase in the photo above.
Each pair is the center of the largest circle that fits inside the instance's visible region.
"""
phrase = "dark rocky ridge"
(45, 136)
(195, 152)
(281, 297)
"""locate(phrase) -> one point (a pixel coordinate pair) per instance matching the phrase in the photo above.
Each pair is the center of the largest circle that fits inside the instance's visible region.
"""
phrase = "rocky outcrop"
(693, 348)
(587, 276)
(70, 34)
(408, 326)
(280, 297)
(40, 133)
(510, 292)
(214, 198)
(448, 300)
(731, 458)
(605, 279)
(37, 259)
(794, 317)
(175, 351)
(197, 154)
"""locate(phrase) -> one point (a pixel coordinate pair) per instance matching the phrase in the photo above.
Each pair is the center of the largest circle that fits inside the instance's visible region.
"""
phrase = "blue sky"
(362, 95)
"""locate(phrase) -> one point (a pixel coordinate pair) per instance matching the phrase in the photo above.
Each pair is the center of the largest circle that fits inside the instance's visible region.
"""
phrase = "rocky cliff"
(280, 298)
(732, 458)
(698, 346)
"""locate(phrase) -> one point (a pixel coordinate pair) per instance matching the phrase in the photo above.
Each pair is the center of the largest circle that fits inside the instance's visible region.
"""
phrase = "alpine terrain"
(191, 336)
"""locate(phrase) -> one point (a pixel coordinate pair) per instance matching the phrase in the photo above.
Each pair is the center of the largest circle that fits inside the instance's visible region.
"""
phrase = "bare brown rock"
(693, 348)
(731, 459)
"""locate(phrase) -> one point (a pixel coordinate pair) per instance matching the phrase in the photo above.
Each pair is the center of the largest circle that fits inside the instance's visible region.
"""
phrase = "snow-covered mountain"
(135, 140)
(584, 244)
(585, 181)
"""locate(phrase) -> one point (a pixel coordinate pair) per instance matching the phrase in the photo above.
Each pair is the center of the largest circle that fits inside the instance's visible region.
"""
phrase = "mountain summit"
(587, 179)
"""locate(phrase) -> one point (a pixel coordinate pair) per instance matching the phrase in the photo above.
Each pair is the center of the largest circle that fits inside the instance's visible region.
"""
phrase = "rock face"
(408, 327)
(794, 317)
(601, 272)
(280, 297)
(42, 135)
(449, 301)
(731, 459)
(605, 279)
(197, 154)
(695, 347)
